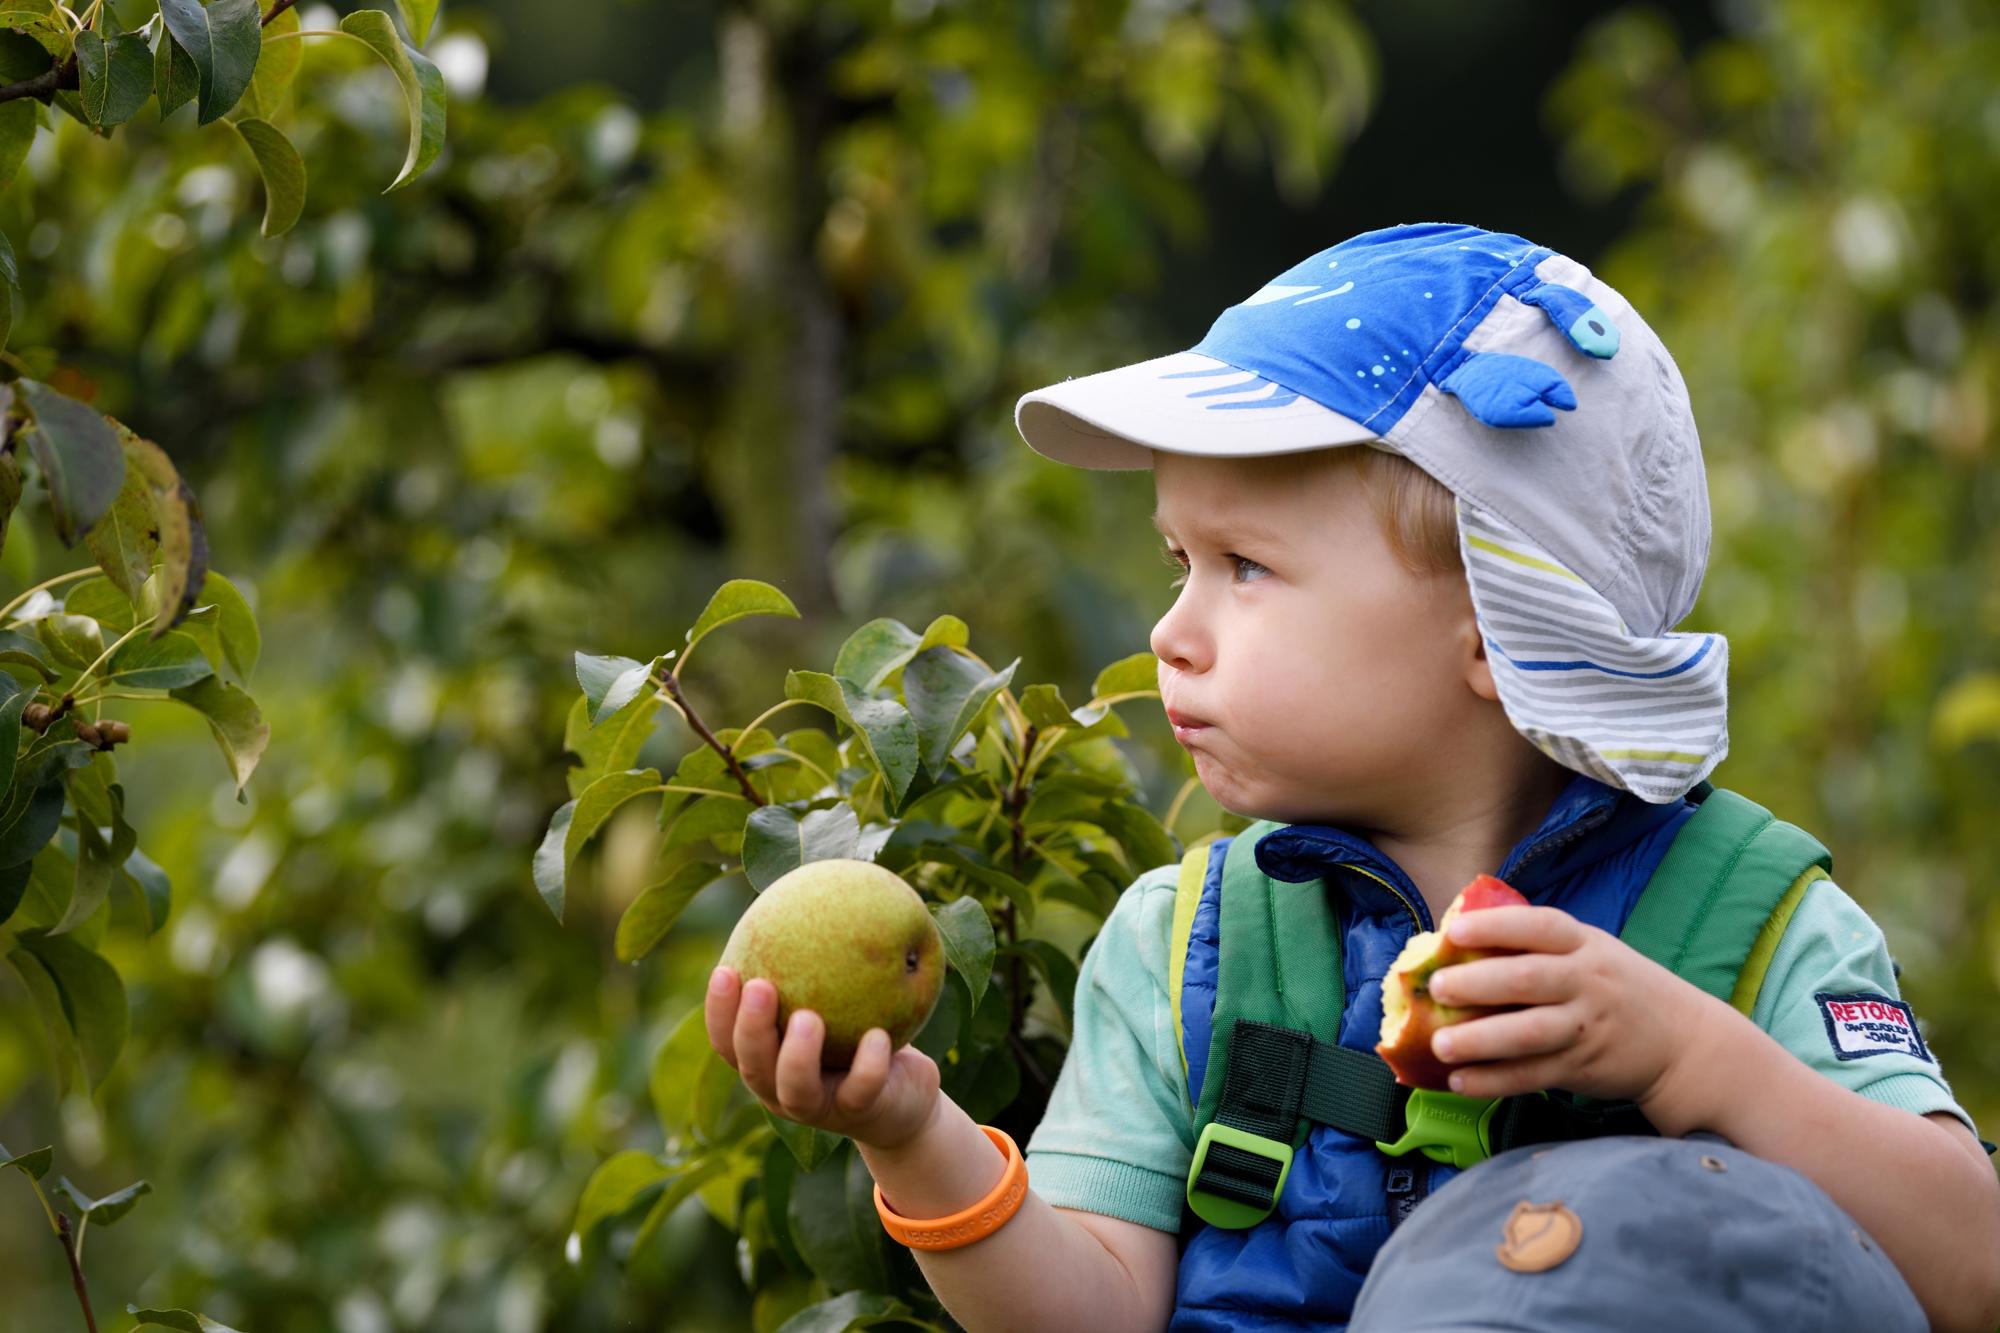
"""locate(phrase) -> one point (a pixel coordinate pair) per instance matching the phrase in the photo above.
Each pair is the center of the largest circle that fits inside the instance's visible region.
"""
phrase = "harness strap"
(1279, 1075)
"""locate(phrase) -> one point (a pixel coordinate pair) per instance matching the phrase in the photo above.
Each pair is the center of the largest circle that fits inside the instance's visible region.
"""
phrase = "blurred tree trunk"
(769, 465)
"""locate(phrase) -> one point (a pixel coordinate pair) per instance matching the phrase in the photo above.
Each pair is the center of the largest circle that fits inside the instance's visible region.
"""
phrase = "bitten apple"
(1409, 1015)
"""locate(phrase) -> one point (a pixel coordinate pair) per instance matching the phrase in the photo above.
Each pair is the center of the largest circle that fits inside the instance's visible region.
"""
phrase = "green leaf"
(1145, 840)
(95, 868)
(678, 1068)
(423, 88)
(103, 1212)
(418, 15)
(114, 73)
(968, 942)
(1058, 970)
(9, 461)
(283, 170)
(781, 1168)
(733, 601)
(233, 719)
(277, 63)
(849, 1310)
(616, 1185)
(100, 599)
(551, 862)
(610, 683)
(653, 913)
(875, 650)
(79, 455)
(93, 998)
(947, 631)
(154, 889)
(683, 1183)
(73, 641)
(832, 1215)
(158, 664)
(1006, 885)
(48, 1002)
(176, 534)
(127, 537)
(707, 817)
(17, 132)
(807, 1146)
(13, 701)
(885, 728)
(224, 40)
(1044, 708)
(34, 1164)
(175, 80)
(29, 818)
(945, 690)
(610, 746)
(599, 801)
(242, 641)
(776, 841)
(1135, 675)
(185, 1320)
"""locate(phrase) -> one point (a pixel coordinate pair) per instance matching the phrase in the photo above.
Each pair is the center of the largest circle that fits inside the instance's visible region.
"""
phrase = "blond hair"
(1418, 513)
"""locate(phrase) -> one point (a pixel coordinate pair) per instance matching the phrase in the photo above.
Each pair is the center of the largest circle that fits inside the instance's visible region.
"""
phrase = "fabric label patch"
(1864, 1024)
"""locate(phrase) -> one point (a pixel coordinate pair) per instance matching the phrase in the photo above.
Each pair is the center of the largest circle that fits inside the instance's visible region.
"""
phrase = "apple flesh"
(1410, 1016)
(848, 940)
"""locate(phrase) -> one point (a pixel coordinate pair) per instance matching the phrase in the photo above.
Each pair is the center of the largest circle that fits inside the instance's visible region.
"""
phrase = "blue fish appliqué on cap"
(1362, 327)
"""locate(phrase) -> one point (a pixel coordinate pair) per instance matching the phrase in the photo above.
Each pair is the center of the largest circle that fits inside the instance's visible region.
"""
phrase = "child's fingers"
(1525, 978)
(756, 1035)
(1543, 1030)
(866, 1079)
(1541, 929)
(719, 1012)
(800, 1084)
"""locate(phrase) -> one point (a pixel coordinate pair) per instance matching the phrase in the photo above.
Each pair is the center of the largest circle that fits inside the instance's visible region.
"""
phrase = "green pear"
(848, 940)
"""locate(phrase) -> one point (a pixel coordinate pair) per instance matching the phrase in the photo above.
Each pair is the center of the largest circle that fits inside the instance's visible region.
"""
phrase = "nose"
(1179, 640)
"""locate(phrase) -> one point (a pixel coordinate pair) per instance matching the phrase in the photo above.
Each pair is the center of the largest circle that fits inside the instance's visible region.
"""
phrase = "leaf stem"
(75, 1270)
(105, 656)
(759, 720)
(9, 609)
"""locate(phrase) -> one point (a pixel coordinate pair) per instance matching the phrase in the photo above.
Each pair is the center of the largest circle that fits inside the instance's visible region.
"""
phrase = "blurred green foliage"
(608, 353)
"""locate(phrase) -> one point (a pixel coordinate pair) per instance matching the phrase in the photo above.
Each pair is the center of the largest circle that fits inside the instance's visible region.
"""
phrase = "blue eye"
(1180, 559)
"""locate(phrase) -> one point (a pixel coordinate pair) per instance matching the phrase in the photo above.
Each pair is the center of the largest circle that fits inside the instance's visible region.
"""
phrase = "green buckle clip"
(1446, 1127)
(1230, 1213)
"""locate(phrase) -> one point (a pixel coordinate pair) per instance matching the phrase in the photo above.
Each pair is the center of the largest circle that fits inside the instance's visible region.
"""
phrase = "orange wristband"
(979, 1221)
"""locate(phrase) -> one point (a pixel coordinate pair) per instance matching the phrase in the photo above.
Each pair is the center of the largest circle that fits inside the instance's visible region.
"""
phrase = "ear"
(1478, 669)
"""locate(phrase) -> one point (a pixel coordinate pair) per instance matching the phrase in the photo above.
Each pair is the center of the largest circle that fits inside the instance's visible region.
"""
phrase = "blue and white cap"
(1536, 394)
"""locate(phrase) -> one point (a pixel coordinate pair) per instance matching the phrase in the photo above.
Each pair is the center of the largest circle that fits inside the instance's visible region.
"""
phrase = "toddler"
(1439, 502)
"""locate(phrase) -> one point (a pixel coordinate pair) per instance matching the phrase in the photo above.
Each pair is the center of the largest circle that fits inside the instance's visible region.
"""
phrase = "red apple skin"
(1408, 1048)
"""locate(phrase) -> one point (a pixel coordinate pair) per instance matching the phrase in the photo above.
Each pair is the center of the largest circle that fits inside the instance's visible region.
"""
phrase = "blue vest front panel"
(1303, 1266)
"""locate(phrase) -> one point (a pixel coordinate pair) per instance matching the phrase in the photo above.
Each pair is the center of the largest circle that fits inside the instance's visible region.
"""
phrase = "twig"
(44, 85)
(276, 10)
(75, 1270)
(673, 687)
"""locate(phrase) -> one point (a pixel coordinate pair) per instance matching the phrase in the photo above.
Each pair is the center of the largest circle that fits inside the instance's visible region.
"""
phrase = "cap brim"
(1185, 403)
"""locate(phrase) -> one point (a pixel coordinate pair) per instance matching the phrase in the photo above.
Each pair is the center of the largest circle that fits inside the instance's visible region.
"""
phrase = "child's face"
(1337, 685)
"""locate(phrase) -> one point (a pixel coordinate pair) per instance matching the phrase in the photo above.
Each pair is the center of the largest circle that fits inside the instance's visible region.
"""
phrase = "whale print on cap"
(1363, 326)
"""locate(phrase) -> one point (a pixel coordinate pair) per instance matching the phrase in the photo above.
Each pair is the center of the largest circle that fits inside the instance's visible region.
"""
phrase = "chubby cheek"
(1307, 723)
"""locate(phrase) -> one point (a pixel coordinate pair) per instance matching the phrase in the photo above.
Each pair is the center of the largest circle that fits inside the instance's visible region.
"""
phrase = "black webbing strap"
(1278, 1076)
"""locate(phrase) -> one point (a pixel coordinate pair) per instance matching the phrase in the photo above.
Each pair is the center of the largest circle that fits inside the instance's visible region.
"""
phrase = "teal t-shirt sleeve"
(1831, 999)
(1118, 1135)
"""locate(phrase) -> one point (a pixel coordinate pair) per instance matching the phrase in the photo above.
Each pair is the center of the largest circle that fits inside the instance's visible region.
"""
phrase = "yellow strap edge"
(1751, 979)
(1187, 897)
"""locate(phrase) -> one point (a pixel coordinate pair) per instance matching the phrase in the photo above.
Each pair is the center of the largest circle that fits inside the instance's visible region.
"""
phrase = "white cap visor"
(1185, 403)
